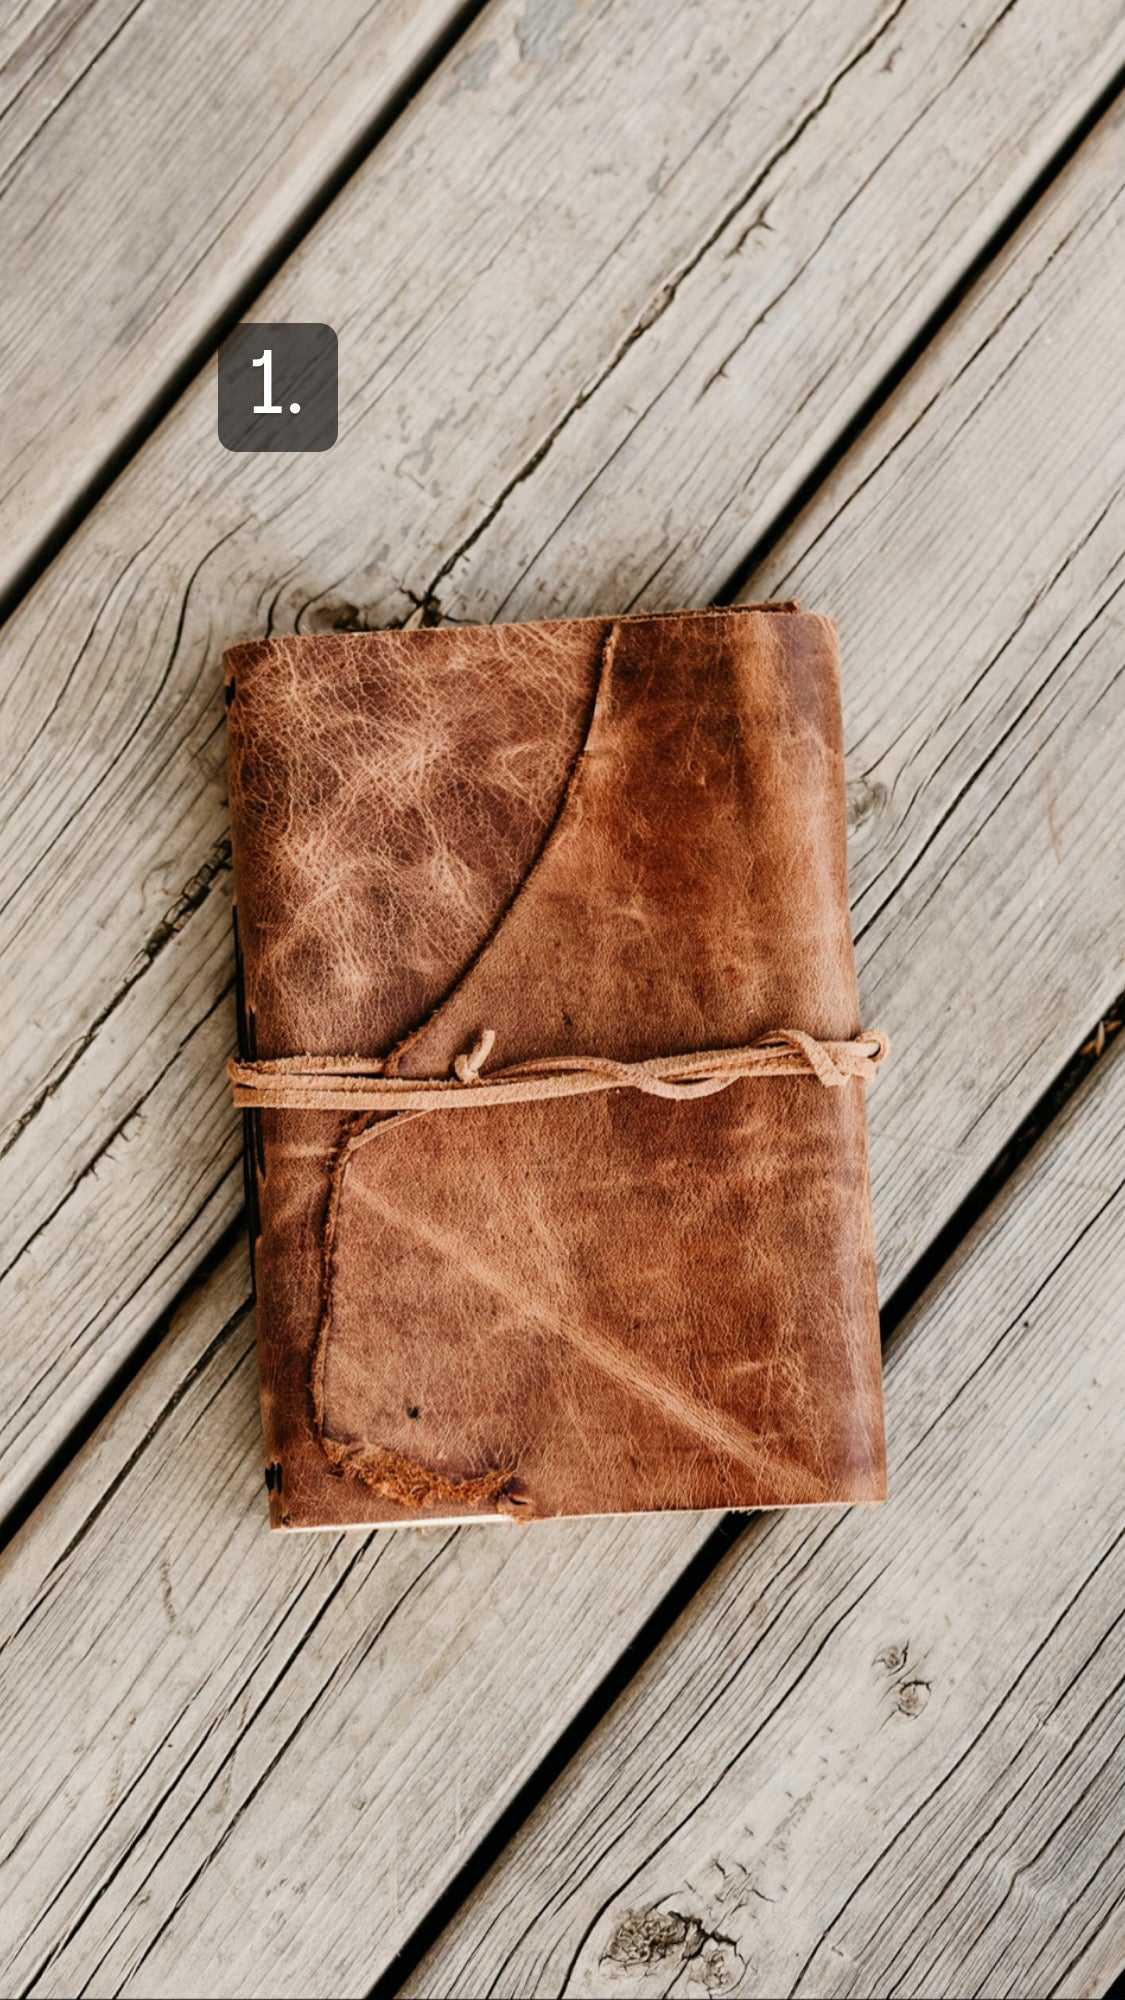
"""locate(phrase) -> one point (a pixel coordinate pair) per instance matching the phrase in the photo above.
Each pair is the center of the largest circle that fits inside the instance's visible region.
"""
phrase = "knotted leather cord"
(358, 1084)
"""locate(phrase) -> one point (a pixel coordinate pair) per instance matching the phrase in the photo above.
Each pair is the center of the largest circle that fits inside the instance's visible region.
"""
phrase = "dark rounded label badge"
(279, 388)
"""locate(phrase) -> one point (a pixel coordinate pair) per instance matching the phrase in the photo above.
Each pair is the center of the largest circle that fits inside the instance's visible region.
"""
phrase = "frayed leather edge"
(403, 1481)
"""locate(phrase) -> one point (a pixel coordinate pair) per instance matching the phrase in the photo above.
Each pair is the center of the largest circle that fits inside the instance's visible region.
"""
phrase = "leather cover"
(600, 837)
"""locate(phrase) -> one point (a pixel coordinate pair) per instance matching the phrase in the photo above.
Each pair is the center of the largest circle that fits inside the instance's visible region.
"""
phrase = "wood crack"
(191, 898)
(660, 301)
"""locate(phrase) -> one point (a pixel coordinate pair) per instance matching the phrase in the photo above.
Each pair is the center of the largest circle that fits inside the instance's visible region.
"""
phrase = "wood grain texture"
(466, 353)
(883, 1752)
(209, 1658)
(331, 1726)
(151, 157)
(972, 543)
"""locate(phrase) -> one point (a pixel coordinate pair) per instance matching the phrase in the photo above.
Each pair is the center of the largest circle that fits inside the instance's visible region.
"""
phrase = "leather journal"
(552, 1070)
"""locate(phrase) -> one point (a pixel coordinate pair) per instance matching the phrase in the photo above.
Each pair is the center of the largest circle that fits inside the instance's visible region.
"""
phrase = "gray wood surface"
(321, 1728)
(883, 1751)
(151, 157)
(576, 257)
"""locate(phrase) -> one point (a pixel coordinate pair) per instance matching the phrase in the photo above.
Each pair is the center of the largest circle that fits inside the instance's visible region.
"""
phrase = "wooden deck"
(639, 305)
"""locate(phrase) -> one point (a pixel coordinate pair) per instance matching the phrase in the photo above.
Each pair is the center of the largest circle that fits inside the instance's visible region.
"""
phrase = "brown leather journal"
(553, 1070)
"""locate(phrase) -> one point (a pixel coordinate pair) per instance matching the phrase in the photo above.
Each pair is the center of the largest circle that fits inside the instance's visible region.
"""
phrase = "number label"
(267, 407)
(278, 386)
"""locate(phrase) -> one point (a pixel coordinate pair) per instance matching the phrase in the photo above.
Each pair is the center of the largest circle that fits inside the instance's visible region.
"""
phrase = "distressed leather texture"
(606, 837)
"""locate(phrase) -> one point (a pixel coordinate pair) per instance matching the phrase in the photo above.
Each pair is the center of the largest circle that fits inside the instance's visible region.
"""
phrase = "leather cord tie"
(358, 1083)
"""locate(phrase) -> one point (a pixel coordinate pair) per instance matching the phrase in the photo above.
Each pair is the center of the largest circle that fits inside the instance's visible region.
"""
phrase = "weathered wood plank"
(187, 1743)
(161, 1174)
(883, 1752)
(569, 246)
(331, 1729)
(721, 357)
(150, 160)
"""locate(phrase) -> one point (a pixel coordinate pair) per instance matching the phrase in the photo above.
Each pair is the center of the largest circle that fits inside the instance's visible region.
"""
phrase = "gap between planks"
(147, 208)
